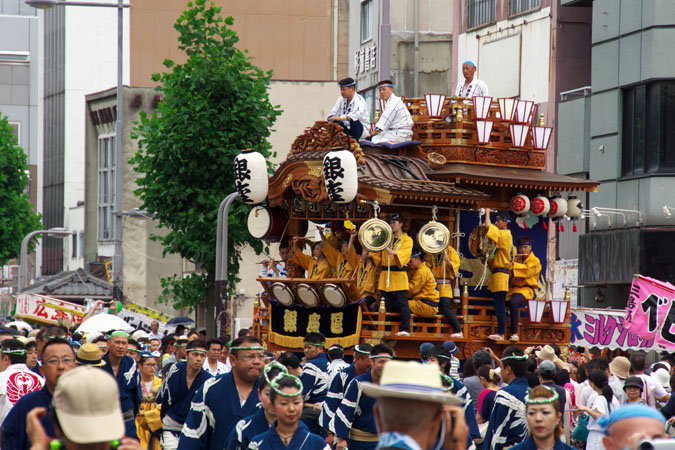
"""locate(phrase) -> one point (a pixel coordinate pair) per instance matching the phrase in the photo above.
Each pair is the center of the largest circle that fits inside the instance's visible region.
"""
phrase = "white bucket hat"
(411, 380)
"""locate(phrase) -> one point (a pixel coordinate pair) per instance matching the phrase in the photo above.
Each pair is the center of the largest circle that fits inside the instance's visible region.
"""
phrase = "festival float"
(467, 154)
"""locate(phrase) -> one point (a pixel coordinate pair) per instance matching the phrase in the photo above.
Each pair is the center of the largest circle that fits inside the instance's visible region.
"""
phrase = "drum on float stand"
(282, 293)
(307, 295)
(333, 295)
(266, 223)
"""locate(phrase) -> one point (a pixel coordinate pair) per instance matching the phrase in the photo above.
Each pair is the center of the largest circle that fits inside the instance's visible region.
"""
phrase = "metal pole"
(119, 159)
(222, 257)
(23, 266)
(416, 58)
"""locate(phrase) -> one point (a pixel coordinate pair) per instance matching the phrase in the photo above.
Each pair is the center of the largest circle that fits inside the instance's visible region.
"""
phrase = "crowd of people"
(119, 390)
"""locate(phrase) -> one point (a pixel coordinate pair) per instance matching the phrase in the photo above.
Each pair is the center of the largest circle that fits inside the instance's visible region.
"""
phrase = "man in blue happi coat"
(338, 386)
(354, 422)
(177, 390)
(58, 357)
(123, 369)
(223, 401)
(508, 423)
(314, 379)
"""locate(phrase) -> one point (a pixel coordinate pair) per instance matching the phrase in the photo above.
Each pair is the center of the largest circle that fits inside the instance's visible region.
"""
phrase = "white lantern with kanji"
(574, 207)
(558, 207)
(250, 176)
(540, 206)
(520, 204)
(340, 176)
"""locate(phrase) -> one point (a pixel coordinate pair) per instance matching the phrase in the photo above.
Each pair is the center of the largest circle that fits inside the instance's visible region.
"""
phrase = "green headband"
(381, 356)
(315, 345)
(200, 350)
(516, 358)
(16, 352)
(116, 333)
(181, 345)
(247, 348)
(275, 385)
(134, 350)
(448, 380)
(541, 401)
(273, 365)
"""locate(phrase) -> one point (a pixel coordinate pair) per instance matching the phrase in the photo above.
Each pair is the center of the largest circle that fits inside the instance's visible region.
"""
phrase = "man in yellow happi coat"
(501, 265)
(524, 281)
(393, 276)
(366, 277)
(422, 293)
(445, 266)
(316, 265)
(339, 261)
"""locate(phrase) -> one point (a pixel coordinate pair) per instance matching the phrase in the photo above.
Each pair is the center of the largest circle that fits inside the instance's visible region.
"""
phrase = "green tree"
(17, 217)
(214, 105)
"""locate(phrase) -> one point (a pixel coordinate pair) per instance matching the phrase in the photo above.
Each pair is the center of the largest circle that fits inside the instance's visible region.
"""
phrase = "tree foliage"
(17, 217)
(214, 105)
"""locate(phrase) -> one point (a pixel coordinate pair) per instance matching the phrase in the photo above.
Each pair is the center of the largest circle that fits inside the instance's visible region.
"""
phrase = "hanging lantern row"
(557, 208)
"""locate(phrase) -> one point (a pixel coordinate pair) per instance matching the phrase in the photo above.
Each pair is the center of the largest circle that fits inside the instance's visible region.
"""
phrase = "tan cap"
(87, 405)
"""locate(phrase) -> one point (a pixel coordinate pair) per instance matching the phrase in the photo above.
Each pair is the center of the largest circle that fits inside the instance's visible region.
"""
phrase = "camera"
(107, 304)
(657, 444)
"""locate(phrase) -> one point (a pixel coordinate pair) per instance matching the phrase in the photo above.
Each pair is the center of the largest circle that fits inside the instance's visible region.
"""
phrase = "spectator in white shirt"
(654, 390)
(211, 364)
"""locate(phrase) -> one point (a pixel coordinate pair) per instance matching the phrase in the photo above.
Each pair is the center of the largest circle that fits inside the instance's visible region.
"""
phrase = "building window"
(73, 249)
(370, 96)
(521, 6)
(366, 20)
(16, 131)
(648, 137)
(481, 12)
(106, 186)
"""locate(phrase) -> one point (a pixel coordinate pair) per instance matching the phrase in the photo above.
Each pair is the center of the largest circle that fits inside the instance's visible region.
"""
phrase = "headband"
(449, 380)
(335, 347)
(395, 216)
(275, 385)
(246, 348)
(441, 357)
(385, 356)
(273, 365)
(358, 349)
(353, 83)
(200, 350)
(315, 345)
(117, 333)
(16, 352)
(184, 344)
(385, 85)
(541, 401)
(134, 350)
(515, 357)
(416, 254)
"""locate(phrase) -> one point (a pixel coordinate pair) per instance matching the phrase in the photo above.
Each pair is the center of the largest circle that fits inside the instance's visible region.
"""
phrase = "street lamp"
(56, 232)
(119, 155)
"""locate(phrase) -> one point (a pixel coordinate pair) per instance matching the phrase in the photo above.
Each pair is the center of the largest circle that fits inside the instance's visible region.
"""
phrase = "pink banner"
(650, 311)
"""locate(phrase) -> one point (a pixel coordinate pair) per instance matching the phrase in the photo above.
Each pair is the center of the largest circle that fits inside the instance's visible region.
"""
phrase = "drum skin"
(282, 293)
(269, 224)
(333, 295)
(307, 295)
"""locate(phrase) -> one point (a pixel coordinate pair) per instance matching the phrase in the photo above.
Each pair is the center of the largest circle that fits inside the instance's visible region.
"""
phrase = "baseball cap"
(86, 403)
(547, 368)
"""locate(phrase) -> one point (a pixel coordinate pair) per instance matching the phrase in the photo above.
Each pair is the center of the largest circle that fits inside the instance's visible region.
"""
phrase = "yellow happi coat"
(449, 273)
(398, 276)
(315, 269)
(503, 257)
(525, 273)
(340, 265)
(422, 286)
(366, 272)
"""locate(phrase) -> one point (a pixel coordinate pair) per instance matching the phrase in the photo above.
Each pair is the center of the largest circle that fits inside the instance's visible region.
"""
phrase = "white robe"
(356, 110)
(477, 88)
(395, 122)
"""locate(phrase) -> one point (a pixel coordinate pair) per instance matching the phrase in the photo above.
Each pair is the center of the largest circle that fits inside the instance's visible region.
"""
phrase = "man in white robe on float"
(351, 111)
(395, 124)
(472, 86)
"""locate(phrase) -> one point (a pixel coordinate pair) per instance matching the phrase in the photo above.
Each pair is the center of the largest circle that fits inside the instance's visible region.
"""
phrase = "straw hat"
(411, 380)
(620, 366)
(89, 354)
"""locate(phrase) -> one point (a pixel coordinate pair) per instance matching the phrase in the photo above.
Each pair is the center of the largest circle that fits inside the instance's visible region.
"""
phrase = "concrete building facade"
(618, 129)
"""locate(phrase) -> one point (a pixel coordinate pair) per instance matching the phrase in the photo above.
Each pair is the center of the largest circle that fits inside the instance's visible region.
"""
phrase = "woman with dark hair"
(543, 419)
(287, 431)
(148, 421)
(602, 403)
(490, 380)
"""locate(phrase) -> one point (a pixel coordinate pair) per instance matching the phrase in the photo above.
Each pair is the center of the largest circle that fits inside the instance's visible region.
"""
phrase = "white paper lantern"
(558, 207)
(507, 108)
(524, 111)
(536, 309)
(340, 175)
(435, 104)
(250, 176)
(483, 130)
(520, 204)
(559, 310)
(481, 107)
(519, 134)
(573, 207)
(540, 206)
